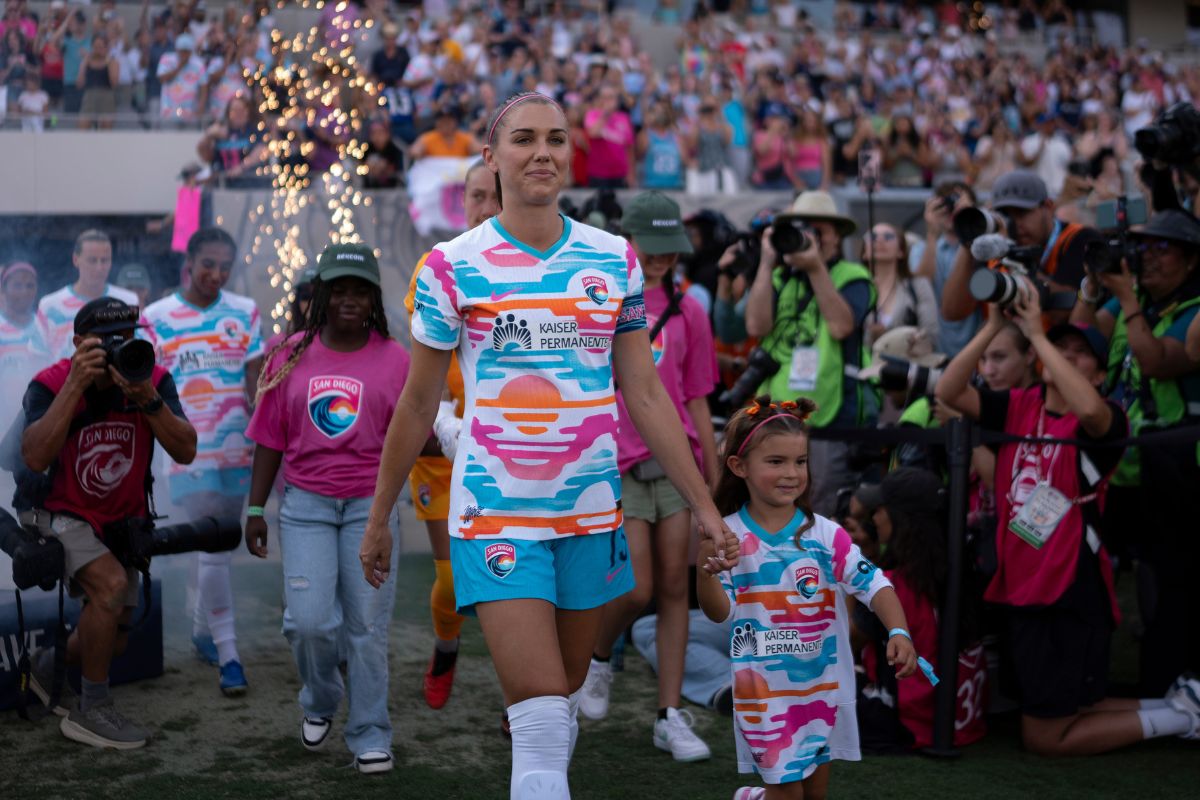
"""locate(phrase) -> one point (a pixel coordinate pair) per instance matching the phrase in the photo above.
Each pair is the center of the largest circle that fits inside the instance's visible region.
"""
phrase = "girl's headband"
(516, 101)
(15, 267)
(754, 430)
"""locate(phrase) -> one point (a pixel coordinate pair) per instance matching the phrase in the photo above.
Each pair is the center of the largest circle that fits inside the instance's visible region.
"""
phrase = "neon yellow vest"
(809, 329)
(1168, 405)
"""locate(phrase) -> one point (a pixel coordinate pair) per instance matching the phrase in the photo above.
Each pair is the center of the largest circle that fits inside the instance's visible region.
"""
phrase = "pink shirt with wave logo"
(330, 415)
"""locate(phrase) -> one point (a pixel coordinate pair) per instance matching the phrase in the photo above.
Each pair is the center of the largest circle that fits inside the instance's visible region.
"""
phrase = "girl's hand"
(902, 655)
(256, 536)
(722, 541)
(707, 561)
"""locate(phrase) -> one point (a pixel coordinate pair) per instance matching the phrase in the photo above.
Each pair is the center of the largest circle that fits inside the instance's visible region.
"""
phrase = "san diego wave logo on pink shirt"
(501, 559)
(595, 288)
(334, 403)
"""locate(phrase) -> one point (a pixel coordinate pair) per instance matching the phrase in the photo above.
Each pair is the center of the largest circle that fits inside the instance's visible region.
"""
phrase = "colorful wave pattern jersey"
(24, 349)
(60, 309)
(790, 644)
(206, 351)
(534, 332)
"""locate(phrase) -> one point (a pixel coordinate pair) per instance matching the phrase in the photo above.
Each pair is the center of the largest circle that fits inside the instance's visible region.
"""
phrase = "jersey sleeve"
(410, 298)
(633, 306)
(857, 575)
(436, 320)
(256, 348)
(726, 579)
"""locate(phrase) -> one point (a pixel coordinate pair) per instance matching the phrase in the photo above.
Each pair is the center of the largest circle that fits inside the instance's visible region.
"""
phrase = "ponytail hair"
(747, 429)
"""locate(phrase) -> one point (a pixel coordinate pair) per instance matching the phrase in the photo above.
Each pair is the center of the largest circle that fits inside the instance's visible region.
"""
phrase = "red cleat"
(437, 687)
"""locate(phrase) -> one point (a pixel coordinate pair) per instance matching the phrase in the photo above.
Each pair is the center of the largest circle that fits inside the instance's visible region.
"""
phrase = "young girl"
(793, 678)
(324, 403)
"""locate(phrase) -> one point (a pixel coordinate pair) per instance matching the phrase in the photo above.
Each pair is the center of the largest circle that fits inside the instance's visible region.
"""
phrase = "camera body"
(132, 358)
(36, 560)
(1104, 257)
(1174, 138)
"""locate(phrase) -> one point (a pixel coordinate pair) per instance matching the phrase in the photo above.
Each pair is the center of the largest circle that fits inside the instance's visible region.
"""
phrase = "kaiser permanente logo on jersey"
(334, 403)
(747, 642)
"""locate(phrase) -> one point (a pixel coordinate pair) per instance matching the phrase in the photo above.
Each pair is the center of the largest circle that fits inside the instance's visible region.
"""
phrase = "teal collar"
(784, 534)
(540, 255)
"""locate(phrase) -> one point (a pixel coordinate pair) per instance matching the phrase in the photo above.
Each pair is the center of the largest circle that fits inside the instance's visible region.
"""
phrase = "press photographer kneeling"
(92, 421)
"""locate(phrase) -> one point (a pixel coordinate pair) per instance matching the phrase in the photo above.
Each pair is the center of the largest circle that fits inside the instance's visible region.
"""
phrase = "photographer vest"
(100, 473)
(1061, 243)
(799, 325)
(1150, 402)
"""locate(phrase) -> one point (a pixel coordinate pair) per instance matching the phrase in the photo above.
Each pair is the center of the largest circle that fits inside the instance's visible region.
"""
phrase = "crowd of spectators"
(757, 98)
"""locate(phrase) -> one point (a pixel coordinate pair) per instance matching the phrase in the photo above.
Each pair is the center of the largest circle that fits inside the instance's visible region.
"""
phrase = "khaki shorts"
(80, 545)
(650, 500)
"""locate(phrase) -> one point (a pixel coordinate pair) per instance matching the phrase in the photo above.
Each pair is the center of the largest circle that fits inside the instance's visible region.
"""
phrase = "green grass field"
(206, 746)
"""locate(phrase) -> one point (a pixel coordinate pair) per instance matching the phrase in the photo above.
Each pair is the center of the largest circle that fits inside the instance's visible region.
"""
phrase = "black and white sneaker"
(373, 761)
(314, 732)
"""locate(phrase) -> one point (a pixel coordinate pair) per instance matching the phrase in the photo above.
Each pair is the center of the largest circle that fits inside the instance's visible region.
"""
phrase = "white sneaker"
(593, 701)
(1184, 695)
(674, 734)
(313, 732)
(373, 761)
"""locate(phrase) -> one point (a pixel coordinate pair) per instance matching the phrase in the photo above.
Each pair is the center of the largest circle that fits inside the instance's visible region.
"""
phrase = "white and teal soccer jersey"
(24, 352)
(60, 309)
(537, 456)
(206, 351)
(793, 672)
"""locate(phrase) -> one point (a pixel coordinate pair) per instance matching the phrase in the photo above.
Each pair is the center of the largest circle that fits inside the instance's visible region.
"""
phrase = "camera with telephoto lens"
(788, 237)
(136, 540)
(899, 375)
(1115, 217)
(1000, 283)
(36, 560)
(972, 222)
(132, 358)
(759, 367)
(1174, 138)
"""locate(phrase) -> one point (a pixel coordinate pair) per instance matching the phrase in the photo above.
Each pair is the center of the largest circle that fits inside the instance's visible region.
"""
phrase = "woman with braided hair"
(543, 313)
(324, 403)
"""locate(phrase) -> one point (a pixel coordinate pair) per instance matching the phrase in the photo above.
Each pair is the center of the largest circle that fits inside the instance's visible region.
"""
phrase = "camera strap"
(25, 665)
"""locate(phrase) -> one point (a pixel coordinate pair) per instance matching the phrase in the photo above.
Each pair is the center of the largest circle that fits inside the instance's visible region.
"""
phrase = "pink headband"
(754, 430)
(15, 267)
(513, 102)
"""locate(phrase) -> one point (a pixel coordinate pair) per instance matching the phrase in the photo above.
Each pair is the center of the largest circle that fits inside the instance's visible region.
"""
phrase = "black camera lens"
(1103, 257)
(133, 358)
(993, 286)
(759, 367)
(788, 237)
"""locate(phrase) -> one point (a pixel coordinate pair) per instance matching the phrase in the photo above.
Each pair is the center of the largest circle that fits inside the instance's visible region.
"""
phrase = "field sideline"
(206, 746)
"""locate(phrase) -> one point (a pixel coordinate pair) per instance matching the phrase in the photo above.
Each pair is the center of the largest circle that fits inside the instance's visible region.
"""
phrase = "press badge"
(803, 375)
(1039, 517)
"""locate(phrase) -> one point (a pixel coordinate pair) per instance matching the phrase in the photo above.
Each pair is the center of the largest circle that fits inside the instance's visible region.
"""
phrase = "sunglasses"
(886, 236)
(1153, 246)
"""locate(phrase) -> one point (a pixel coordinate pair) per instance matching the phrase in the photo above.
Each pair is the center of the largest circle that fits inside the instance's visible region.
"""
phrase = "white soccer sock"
(216, 598)
(1151, 703)
(540, 730)
(573, 721)
(1168, 721)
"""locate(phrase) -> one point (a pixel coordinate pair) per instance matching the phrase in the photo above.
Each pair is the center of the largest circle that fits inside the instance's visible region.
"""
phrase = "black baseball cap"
(107, 315)
(912, 490)
(1094, 339)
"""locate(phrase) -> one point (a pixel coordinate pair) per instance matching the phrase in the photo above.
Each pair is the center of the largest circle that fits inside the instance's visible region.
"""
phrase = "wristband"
(1090, 299)
(1131, 317)
(899, 632)
(254, 511)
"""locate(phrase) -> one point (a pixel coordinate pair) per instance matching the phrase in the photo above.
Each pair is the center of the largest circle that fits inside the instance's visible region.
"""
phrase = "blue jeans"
(706, 667)
(330, 603)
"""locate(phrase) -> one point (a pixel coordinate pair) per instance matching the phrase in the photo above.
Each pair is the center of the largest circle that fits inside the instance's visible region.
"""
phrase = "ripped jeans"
(332, 611)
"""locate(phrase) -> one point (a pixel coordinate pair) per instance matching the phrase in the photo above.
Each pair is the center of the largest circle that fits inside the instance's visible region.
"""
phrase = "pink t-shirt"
(608, 154)
(687, 365)
(330, 415)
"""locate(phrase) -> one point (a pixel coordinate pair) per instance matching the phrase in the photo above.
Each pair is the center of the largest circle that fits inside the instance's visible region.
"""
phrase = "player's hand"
(723, 542)
(902, 655)
(375, 554)
(256, 536)
(87, 364)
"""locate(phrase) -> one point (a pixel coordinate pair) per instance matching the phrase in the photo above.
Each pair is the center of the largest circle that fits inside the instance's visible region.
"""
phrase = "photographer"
(95, 429)
(1025, 214)
(1053, 579)
(809, 306)
(1154, 300)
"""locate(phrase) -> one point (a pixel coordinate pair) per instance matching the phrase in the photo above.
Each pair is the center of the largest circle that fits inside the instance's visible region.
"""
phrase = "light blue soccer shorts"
(573, 573)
